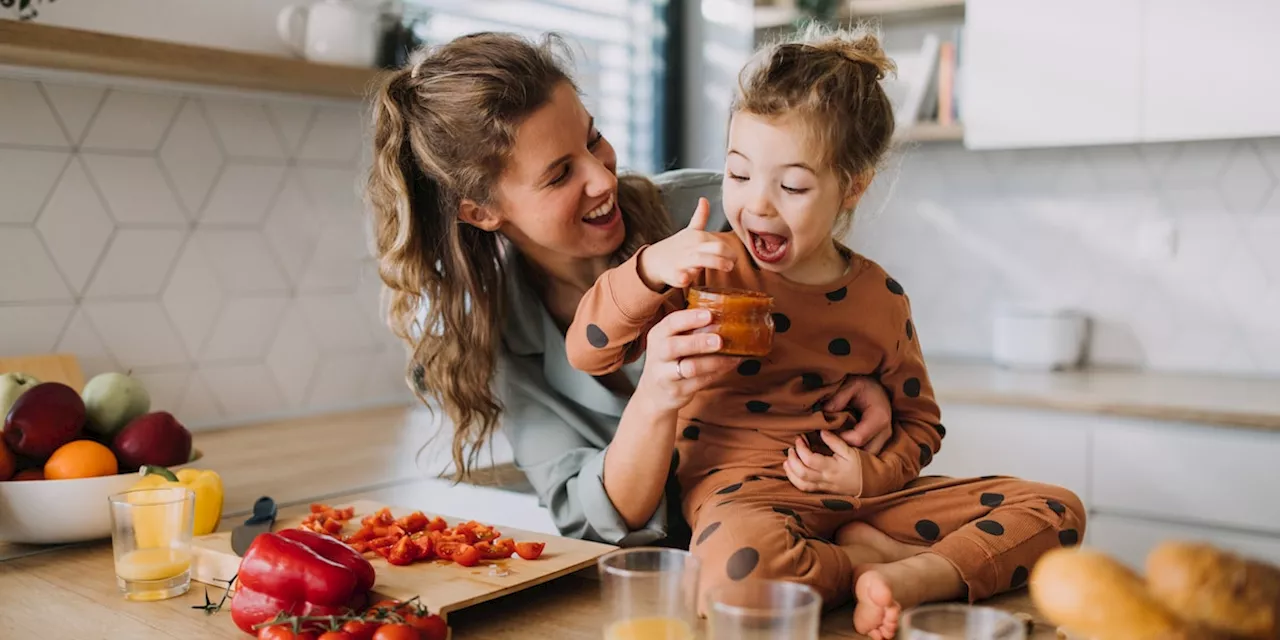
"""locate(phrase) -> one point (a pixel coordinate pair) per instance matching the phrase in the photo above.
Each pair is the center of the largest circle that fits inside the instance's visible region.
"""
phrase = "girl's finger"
(838, 447)
(807, 456)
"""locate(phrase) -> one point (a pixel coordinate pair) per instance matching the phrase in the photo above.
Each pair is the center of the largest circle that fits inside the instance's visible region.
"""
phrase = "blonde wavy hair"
(830, 77)
(443, 129)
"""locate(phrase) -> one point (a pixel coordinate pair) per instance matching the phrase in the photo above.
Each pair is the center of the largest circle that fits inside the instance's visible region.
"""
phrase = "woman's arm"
(639, 455)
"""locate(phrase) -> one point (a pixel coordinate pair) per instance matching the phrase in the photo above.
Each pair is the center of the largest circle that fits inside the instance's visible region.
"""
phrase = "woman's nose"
(600, 177)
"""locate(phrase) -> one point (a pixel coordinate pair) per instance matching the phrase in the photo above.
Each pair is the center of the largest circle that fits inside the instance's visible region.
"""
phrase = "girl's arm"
(612, 319)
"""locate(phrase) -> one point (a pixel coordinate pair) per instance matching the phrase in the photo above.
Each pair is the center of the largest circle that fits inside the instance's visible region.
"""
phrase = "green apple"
(111, 400)
(13, 385)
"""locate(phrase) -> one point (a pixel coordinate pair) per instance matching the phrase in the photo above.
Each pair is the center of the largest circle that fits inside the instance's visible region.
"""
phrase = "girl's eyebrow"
(798, 165)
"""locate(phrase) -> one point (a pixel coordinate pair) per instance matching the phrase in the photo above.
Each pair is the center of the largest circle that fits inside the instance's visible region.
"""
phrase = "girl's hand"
(839, 473)
(679, 364)
(865, 395)
(677, 260)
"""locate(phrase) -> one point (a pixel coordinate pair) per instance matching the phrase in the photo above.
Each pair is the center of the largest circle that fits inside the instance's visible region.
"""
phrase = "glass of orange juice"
(649, 594)
(763, 610)
(151, 541)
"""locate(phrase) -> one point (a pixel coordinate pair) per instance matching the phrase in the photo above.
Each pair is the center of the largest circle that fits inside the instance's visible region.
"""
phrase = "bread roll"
(1217, 589)
(1099, 598)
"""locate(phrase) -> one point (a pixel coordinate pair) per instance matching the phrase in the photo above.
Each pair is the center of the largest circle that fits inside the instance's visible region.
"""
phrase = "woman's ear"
(479, 216)
(857, 188)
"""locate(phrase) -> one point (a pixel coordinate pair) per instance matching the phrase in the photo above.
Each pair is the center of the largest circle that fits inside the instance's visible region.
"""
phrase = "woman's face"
(557, 197)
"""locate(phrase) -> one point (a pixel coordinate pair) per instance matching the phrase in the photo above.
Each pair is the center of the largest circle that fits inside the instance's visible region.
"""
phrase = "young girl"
(809, 125)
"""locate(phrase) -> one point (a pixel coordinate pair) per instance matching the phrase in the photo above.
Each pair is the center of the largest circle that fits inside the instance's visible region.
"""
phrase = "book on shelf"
(934, 75)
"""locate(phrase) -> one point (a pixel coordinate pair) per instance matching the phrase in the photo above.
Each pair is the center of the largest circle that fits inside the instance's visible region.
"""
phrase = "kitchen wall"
(1171, 248)
(213, 243)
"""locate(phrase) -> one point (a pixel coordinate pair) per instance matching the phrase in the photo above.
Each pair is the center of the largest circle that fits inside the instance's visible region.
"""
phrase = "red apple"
(44, 418)
(152, 438)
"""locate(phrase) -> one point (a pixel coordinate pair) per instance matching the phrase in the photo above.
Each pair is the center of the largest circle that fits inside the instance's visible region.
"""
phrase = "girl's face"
(557, 198)
(781, 199)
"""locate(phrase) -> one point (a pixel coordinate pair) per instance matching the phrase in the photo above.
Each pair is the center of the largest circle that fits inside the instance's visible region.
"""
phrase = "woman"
(496, 205)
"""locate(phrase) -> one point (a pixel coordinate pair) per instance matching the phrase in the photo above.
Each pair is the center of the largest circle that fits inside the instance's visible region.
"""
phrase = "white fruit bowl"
(62, 511)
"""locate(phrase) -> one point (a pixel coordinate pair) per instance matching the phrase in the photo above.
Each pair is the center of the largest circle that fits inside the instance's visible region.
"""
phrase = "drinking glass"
(960, 622)
(649, 594)
(151, 541)
(764, 610)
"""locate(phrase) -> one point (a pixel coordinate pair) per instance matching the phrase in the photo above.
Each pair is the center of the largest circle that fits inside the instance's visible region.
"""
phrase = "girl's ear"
(858, 187)
(479, 216)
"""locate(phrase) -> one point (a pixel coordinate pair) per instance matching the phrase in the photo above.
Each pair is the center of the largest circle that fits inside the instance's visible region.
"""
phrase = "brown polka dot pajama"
(747, 518)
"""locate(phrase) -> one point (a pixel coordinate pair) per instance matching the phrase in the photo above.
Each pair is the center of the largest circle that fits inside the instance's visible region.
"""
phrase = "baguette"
(1217, 589)
(1097, 597)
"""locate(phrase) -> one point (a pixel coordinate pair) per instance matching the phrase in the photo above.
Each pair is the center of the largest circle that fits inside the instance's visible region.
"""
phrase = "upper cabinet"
(1038, 73)
(1210, 69)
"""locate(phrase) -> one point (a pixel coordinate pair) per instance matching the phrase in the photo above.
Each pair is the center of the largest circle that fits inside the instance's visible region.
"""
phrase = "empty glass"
(763, 610)
(649, 594)
(960, 622)
(151, 541)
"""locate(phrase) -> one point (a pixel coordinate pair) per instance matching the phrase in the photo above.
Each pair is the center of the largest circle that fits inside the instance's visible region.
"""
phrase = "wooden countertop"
(1231, 401)
(70, 591)
(38, 45)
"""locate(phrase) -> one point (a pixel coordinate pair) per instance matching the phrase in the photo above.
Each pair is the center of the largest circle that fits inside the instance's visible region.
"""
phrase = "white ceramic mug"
(331, 31)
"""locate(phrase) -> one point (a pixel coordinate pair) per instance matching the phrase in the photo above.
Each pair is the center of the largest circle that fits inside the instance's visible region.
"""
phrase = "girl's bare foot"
(865, 544)
(876, 614)
(884, 591)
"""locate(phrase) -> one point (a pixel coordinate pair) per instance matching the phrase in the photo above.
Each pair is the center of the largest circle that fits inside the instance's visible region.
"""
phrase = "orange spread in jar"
(742, 318)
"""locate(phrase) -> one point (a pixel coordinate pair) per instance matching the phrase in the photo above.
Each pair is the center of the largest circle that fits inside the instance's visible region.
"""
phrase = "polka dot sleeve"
(917, 427)
(613, 319)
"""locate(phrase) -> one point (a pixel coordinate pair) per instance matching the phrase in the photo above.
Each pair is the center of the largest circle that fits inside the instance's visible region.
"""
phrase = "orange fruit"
(8, 462)
(80, 459)
(28, 474)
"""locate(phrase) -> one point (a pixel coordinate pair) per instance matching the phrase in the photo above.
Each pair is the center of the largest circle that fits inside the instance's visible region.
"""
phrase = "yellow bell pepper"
(206, 485)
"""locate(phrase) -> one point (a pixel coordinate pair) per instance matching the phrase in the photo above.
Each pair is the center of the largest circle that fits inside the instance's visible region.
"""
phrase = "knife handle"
(264, 510)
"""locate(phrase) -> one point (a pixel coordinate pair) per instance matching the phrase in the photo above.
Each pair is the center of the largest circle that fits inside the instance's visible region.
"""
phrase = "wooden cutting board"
(56, 367)
(443, 587)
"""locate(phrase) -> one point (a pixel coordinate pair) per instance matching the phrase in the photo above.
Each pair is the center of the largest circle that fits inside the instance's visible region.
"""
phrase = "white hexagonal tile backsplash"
(188, 237)
(216, 246)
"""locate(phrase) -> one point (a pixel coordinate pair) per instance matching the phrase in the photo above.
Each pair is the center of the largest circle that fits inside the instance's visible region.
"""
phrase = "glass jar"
(742, 318)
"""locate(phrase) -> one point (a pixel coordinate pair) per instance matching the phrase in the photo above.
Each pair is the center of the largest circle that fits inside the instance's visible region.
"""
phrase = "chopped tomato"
(317, 507)
(463, 554)
(414, 522)
(382, 518)
(437, 524)
(497, 549)
(425, 548)
(404, 552)
(530, 550)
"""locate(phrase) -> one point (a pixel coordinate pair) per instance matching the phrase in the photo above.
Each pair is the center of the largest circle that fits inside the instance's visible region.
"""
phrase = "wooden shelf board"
(36, 45)
(867, 8)
(931, 132)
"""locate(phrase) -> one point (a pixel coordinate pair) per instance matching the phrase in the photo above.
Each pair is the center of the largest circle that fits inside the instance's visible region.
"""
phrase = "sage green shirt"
(560, 421)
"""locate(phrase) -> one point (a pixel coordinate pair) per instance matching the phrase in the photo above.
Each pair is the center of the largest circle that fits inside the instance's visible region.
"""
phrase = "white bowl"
(61, 511)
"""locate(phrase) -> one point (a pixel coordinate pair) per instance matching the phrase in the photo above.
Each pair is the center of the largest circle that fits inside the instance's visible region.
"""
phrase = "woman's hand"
(679, 364)
(865, 395)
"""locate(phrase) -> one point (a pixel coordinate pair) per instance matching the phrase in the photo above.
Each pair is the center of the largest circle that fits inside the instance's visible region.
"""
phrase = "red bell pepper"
(282, 574)
(337, 551)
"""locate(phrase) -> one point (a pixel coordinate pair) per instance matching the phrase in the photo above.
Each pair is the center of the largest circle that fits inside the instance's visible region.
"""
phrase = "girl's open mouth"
(769, 247)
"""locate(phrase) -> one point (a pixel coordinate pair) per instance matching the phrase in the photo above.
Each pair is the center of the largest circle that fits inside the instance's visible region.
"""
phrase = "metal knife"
(264, 516)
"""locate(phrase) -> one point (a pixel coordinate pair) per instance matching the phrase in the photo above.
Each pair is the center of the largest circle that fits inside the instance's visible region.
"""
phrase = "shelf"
(931, 132)
(36, 45)
(869, 8)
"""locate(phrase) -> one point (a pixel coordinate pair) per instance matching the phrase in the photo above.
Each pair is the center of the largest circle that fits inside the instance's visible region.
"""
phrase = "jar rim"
(729, 292)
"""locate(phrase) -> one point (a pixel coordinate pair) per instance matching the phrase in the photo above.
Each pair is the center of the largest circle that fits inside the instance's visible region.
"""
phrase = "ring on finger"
(679, 371)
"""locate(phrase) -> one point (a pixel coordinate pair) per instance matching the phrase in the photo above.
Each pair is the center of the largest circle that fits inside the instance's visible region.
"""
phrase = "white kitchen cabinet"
(1041, 446)
(1188, 473)
(1131, 539)
(1209, 69)
(1038, 73)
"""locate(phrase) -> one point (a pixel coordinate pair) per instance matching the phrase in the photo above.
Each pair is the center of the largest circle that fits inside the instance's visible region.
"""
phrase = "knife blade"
(264, 516)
